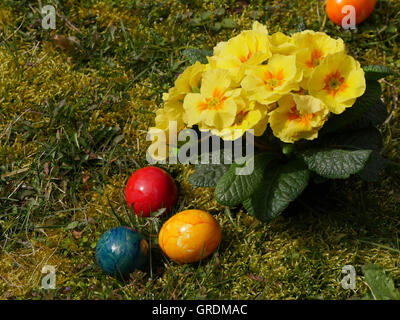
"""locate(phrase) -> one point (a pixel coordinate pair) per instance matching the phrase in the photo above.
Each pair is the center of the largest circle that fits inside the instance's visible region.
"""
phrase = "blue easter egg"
(120, 251)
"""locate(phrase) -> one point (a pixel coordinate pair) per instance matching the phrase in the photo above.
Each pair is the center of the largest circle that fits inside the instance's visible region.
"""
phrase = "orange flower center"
(245, 58)
(295, 115)
(334, 83)
(315, 59)
(271, 81)
(216, 102)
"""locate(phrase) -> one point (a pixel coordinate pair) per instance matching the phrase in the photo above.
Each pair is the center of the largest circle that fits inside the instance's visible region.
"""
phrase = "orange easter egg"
(336, 9)
(190, 236)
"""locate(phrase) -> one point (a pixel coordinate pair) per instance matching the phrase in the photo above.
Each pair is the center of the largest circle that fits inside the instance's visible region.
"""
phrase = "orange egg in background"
(190, 236)
(363, 9)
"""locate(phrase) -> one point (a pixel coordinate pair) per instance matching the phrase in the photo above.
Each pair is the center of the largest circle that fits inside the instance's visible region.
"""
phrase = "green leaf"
(376, 72)
(208, 175)
(367, 138)
(219, 11)
(364, 103)
(206, 15)
(282, 184)
(195, 22)
(228, 23)
(335, 163)
(232, 189)
(381, 285)
(375, 116)
(256, 14)
(194, 55)
(216, 26)
(72, 225)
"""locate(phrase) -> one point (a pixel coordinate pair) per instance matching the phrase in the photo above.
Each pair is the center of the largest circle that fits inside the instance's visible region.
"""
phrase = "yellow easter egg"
(190, 236)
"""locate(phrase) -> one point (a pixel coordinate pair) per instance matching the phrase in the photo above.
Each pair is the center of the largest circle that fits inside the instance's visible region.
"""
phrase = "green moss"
(73, 127)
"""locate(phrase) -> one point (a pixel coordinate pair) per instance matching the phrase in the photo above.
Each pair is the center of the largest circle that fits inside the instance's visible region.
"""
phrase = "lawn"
(75, 106)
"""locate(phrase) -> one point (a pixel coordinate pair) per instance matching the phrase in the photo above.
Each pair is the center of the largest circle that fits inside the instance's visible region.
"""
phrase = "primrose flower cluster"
(293, 83)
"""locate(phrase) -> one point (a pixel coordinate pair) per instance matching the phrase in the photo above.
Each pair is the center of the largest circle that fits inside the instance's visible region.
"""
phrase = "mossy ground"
(73, 121)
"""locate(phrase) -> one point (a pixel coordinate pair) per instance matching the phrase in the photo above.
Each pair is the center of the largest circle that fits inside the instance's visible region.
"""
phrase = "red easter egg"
(150, 189)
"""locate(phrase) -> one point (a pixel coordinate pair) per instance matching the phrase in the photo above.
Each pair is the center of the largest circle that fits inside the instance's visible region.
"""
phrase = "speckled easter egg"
(190, 236)
(120, 251)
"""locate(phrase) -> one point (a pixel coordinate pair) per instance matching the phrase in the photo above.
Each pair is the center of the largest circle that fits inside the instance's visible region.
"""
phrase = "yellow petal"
(282, 44)
(191, 106)
(220, 118)
(212, 79)
(260, 28)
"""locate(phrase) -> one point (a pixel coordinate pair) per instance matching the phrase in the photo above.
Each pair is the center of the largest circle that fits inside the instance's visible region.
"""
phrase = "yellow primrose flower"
(281, 43)
(312, 47)
(171, 112)
(251, 116)
(216, 104)
(298, 117)
(338, 81)
(159, 134)
(249, 48)
(267, 83)
(189, 80)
